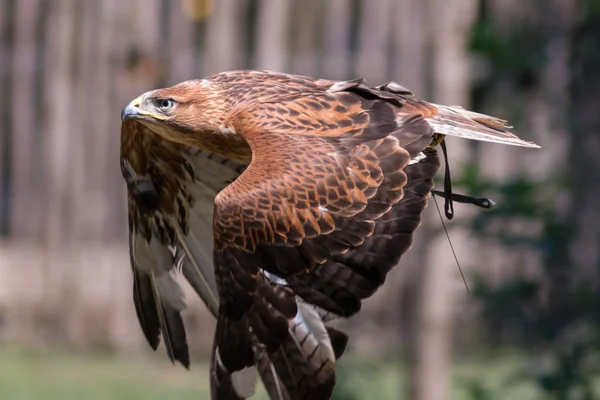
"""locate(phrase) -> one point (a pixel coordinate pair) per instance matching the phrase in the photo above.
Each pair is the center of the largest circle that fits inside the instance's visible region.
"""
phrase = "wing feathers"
(171, 193)
(339, 178)
(292, 347)
(225, 385)
(158, 298)
(456, 121)
(198, 271)
(145, 307)
(171, 326)
(273, 383)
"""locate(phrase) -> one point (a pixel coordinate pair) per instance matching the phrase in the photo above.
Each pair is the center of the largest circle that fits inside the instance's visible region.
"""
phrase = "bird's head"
(191, 113)
(186, 108)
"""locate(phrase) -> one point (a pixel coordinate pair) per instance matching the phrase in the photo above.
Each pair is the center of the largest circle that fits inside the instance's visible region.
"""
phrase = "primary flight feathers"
(284, 201)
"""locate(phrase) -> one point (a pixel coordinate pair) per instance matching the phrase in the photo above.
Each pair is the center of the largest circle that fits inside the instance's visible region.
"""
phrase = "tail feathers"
(233, 340)
(225, 385)
(305, 361)
(145, 307)
(456, 121)
(160, 315)
(244, 381)
(273, 384)
(288, 373)
(294, 352)
(312, 337)
(169, 303)
(158, 298)
(298, 372)
(174, 335)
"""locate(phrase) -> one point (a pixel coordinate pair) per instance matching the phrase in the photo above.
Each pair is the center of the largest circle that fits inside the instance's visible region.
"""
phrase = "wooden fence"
(68, 67)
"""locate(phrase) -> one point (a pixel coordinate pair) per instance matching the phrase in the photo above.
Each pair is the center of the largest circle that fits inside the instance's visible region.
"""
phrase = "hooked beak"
(134, 110)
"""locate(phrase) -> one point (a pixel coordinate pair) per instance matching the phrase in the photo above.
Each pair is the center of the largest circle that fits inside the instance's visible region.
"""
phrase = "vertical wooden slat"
(180, 47)
(271, 43)
(373, 40)
(409, 58)
(84, 119)
(336, 47)
(304, 37)
(24, 193)
(7, 38)
(450, 30)
(107, 138)
(57, 114)
(223, 38)
(38, 162)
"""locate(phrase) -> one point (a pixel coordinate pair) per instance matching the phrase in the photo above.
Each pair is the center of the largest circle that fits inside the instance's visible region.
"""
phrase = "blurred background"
(529, 328)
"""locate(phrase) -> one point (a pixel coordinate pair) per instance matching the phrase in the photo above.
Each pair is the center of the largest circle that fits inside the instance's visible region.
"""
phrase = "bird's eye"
(165, 104)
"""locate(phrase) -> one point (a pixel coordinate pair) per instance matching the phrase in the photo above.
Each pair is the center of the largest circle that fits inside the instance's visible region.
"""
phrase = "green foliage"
(521, 198)
(554, 317)
(344, 389)
(590, 8)
(517, 54)
(478, 390)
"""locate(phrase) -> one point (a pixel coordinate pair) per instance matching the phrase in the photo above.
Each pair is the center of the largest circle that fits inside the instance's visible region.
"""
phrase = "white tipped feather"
(419, 157)
(244, 382)
(170, 292)
(456, 121)
(274, 278)
(157, 260)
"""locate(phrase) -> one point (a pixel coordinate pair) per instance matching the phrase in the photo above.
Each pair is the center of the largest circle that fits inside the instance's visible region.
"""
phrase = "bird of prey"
(284, 201)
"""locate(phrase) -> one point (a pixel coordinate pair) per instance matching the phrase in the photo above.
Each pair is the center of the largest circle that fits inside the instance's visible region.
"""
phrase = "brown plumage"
(317, 188)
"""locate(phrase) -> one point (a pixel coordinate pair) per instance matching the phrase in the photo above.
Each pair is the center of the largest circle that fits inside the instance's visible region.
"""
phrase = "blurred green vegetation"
(552, 318)
(31, 374)
(27, 374)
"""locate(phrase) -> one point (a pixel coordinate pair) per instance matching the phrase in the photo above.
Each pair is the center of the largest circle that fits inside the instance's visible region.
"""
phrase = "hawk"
(284, 201)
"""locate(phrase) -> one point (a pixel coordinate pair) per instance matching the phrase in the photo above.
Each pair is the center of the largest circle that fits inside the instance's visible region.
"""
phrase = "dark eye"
(165, 104)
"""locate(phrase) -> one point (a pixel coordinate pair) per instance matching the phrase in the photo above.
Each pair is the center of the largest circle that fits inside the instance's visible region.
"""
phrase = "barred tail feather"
(294, 351)
(305, 361)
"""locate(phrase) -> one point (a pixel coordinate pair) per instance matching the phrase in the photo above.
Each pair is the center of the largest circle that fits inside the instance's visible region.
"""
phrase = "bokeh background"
(529, 328)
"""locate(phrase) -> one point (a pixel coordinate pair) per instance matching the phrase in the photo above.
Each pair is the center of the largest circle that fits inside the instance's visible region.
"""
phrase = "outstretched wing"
(171, 190)
(325, 209)
(339, 177)
(328, 205)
